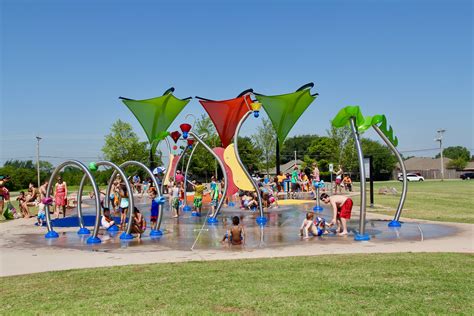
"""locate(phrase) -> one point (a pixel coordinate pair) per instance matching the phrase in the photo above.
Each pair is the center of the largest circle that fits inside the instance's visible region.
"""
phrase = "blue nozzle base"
(212, 220)
(156, 233)
(261, 220)
(93, 240)
(361, 237)
(113, 228)
(394, 223)
(83, 231)
(126, 236)
(51, 234)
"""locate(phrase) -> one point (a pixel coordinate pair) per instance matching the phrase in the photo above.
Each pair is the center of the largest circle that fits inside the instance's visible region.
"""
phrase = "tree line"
(257, 153)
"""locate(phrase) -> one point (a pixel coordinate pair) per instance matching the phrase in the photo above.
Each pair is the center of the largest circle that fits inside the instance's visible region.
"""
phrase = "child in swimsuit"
(214, 196)
(175, 199)
(123, 205)
(107, 220)
(139, 223)
(154, 208)
(308, 226)
(236, 234)
(198, 192)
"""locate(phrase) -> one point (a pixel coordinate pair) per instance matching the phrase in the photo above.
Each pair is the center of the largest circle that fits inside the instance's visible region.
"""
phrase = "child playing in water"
(236, 234)
(342, 208)
(175, 199)
(123, 205)
(154, 207)
(198, 192)
(308, 226)
(214, 196)
(106, 220)
(139, 223)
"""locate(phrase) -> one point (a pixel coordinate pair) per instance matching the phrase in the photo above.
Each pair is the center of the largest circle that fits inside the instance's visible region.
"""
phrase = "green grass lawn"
(438, 283)
(447, 201)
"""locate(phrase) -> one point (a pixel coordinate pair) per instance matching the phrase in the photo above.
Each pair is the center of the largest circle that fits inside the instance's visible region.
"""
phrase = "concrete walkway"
(17, 257)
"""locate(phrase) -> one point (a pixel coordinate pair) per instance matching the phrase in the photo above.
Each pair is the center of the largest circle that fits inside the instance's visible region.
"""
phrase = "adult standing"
(60, 196)
(43, 189)
(339, 174)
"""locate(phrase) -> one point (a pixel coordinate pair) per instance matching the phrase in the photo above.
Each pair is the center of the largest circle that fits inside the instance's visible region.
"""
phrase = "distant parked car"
(411, 177)
(467, 176)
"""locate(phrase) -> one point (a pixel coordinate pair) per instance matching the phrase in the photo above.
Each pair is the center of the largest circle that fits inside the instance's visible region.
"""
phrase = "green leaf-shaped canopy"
(285, 109)
(364, 123)
(156, 115)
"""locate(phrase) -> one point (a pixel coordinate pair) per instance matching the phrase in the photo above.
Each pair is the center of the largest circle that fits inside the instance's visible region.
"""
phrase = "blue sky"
(64, 64)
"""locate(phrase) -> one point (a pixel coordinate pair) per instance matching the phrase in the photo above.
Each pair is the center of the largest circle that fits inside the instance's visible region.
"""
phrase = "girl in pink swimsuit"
(60, 196)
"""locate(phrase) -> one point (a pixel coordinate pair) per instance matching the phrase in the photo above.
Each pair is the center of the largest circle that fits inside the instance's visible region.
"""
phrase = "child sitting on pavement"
(236, 234)
(106, 221)
(308, 226)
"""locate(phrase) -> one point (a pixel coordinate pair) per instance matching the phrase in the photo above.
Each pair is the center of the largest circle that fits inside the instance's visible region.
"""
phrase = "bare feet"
(342, 234)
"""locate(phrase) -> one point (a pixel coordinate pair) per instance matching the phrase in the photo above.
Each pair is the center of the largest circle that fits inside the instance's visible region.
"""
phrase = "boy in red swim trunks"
(342, 208)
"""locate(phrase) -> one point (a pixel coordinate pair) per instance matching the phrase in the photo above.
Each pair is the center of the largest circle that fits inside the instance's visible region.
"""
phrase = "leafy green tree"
(322, 150)
(46, 166)
(22, 172)
(265, 139)
(250, 154)
(203, 164)
(458, 164)
(299, 144)
(122, 144)
(456, 152)
(343, 146)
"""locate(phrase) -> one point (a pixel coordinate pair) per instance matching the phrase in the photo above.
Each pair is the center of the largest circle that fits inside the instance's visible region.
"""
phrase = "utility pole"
(38, 159)
(440, 140)
(295, 157)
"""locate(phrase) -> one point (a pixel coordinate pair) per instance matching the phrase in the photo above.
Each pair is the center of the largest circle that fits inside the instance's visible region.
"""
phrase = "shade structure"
(226, 115)
(155, 115)
(285, 109)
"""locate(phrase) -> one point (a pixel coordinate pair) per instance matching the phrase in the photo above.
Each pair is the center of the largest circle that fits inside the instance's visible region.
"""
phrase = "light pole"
(37, 159)
(440, 140)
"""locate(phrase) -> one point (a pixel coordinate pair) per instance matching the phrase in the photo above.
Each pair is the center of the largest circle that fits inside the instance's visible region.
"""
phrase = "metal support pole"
(277, 157)
(168, 145)
(185, 208)
(213, 219)
(371, 179)
(361, 235)
(152, 157)
(51, 233)
(261, 219)
(396, 219)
